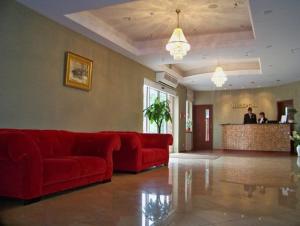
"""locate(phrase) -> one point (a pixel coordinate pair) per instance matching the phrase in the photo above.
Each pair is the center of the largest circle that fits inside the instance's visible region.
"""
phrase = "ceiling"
(156, 19)
(256, 41)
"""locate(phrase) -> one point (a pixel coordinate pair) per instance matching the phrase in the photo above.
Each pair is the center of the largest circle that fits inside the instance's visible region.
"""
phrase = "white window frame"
(175, 110)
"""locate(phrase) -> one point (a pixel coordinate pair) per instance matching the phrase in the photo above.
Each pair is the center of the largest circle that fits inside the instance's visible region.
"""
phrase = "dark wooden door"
(202, 127)
(281, 106)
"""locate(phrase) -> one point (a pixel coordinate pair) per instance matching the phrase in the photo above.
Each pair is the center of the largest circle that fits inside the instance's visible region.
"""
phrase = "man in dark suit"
(250, 118)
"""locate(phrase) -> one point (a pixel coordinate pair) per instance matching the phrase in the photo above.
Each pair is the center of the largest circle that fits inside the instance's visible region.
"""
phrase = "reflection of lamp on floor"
(298, 162)
(206, 174)
(188, 185)
(156, 209)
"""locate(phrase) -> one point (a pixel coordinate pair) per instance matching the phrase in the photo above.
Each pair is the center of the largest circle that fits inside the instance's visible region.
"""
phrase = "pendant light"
(177, 45)
(219, 77)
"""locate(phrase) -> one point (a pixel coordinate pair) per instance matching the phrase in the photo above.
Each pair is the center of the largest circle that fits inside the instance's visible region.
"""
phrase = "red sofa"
(140, 151)
(34, 163)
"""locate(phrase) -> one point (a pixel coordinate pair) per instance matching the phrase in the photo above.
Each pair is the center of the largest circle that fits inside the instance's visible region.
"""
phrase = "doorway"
(202, 127)
(282, 107)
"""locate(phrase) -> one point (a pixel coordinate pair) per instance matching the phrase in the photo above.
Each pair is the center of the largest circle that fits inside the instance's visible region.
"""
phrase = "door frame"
(283, 102)
(211, 126)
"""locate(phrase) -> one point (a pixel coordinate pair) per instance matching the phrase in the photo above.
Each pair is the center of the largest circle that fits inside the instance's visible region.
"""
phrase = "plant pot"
(298, 150)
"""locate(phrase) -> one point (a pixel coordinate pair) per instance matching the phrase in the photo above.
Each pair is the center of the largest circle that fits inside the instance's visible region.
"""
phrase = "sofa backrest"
(53, 142)
(129, 140)
(56, 143)
(153, 140)
(50, 142)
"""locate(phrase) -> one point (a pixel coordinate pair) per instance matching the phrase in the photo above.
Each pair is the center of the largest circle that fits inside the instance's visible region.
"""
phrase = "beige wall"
(182, 96)
(32, 94)
(265, 99)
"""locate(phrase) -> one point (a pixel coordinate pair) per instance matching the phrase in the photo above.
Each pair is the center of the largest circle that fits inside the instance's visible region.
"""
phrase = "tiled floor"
(226, 191)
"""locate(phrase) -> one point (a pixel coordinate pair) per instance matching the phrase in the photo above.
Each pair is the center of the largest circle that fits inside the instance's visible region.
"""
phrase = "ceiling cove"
(248, 38)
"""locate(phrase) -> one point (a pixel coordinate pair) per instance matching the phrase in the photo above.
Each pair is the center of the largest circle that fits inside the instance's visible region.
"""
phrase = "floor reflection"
(247, 189)
(264, 177)
(188, 179)
(226, 191)
(155, 207)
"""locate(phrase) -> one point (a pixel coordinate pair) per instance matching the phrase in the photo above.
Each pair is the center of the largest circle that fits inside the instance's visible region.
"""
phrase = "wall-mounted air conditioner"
(166, 79)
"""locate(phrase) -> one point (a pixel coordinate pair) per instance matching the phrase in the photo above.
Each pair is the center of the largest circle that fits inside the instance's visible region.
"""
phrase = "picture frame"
(78, 71)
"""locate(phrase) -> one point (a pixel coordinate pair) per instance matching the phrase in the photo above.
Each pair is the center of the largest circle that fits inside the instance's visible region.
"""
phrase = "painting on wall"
(78, 71)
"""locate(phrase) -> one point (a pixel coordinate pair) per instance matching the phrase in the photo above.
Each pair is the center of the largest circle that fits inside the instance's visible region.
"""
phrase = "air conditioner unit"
(166, 79)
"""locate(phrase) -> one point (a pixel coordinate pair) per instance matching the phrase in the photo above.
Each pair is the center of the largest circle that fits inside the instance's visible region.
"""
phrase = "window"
(150, 94)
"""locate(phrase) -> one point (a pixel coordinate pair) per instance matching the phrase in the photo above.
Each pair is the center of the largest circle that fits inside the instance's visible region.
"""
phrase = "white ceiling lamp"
(177, 45)
(219, 77)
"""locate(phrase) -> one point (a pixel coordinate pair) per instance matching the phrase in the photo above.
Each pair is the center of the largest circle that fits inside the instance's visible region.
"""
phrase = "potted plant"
(296, 138)
(158, 112)
(291, 114)
(189, 125)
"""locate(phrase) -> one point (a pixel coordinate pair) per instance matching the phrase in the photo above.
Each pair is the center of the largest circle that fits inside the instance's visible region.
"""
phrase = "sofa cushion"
(60, 169)
(72, 167)
(90, 165)
(152, 155)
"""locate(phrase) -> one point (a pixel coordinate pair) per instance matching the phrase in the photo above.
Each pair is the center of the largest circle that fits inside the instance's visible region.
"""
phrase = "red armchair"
(141, 151)
(34, 163)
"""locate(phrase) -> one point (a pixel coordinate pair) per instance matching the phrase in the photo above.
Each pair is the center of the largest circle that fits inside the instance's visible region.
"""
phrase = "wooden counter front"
(257, 137)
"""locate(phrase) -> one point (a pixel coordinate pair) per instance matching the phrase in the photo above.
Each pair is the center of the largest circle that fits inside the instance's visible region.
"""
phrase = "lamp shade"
(178, 45)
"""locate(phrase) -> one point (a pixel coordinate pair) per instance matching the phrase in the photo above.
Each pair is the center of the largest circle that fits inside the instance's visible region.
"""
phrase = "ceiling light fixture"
(219, 77)
(177, 45)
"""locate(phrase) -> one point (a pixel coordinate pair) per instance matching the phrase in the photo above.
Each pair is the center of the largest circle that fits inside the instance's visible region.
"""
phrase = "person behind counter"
(250, 118)
(262, 118)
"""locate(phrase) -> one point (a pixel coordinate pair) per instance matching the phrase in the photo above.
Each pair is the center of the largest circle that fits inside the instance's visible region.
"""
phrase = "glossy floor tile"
(226, 191)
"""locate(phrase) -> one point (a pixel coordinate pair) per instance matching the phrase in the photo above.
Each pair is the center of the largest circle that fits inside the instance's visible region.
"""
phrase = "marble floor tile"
(231, 190)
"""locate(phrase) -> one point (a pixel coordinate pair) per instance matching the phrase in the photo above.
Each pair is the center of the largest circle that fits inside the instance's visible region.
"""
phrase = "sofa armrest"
(150, 140)
(130, 142)
(129, 157)
(98, 144)
(24, 168)
(107, 144)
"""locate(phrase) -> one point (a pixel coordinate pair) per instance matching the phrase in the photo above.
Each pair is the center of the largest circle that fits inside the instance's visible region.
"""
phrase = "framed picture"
(78, 71)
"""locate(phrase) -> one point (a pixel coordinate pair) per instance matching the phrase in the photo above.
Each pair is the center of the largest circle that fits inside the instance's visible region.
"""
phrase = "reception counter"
(257, 137)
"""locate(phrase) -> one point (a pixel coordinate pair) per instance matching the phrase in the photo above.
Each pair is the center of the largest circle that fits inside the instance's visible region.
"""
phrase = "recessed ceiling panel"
(155, 19)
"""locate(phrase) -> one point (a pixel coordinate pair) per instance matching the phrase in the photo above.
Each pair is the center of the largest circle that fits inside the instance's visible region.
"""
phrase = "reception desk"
(257, 137)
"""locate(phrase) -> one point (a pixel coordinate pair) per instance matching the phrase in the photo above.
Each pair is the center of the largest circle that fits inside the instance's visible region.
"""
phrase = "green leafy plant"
(291, 114)
(158, 112)
(296, 138)
(292, 111)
